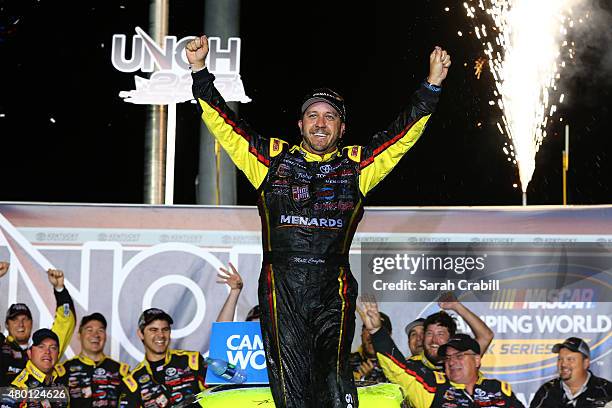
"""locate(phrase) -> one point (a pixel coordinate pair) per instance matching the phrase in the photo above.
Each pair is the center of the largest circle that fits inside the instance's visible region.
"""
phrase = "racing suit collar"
(429, 364)
(86, 360)
(166, 361)
(35, 372)
(13, 343)
(312, 157)
(479, 381)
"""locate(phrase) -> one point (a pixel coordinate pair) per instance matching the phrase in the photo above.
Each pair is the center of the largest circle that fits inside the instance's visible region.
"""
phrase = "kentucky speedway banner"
(120, 260)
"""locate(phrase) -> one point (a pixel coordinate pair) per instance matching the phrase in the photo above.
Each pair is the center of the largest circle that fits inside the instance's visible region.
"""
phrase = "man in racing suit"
(38, 377)
(310, 202)
(13, 351)
(165, 378)
(93, 379)
(461, 385)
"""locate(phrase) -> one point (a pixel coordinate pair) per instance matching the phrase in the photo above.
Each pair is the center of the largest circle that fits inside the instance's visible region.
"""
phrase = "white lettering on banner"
(171, 83)
(248, 358)
(246, 351)
(524, 324)
(245, 342)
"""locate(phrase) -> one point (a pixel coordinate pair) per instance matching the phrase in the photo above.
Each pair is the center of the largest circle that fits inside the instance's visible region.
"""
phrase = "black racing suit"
(31, 378)
(171, 382)
(310, 206)
(425, 388)
(13, 358)
(90, 383)
(597, 393)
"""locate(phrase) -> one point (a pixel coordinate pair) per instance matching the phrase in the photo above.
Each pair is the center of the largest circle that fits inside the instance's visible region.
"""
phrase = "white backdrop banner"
(120, 260)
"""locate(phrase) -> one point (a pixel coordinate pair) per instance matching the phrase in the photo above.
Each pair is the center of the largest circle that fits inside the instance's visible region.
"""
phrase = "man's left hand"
(439, 62)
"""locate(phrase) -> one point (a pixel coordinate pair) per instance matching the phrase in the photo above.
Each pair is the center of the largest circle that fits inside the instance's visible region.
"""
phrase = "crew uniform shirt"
(173, 380)
(31, 378)
(596, 392)
(91, 383)
(13, 357)
(426, 388)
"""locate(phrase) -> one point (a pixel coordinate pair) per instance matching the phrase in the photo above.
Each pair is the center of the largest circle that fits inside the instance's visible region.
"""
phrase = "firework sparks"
(525, 61)
(478, 66)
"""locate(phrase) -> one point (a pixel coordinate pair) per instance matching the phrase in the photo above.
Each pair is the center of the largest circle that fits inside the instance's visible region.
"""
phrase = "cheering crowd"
(443, 369)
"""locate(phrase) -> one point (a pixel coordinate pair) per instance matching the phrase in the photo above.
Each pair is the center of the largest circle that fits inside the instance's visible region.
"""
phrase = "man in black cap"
(13, 356)
(310, 202)
(93, 379)
(576, 385)
(461, 385)
(43, 354)
(165, 377)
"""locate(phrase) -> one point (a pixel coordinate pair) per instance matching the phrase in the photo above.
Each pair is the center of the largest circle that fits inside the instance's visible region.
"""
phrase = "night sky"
(66, 135)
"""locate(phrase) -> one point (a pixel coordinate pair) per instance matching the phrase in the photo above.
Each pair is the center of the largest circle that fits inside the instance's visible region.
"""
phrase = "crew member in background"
(415, 330)
(459, 385)
(364, 361)
(13, 355)
(43, 354)
(576, 386)
(93, 379)
(165, 377)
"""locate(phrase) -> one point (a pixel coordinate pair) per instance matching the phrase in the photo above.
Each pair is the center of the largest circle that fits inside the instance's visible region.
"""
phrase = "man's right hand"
(4, 267)
(230, 277)
(196, 51)
(369, 313)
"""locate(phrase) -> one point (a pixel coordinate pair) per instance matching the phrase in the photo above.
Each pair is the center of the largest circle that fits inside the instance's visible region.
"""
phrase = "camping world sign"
(170, 80)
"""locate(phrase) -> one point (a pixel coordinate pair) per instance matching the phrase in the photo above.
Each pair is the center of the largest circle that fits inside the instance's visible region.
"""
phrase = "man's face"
(415, 340)
(45, 355)
(156, 337)
(20, 328)
(93, 337)
(572, 365)
(435, 336)
(321, 128)
(366, 342)
(461, 367)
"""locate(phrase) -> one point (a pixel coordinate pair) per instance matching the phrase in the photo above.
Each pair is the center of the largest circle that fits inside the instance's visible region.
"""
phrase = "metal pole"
(565, 164)
(157, 117)
(216, 183)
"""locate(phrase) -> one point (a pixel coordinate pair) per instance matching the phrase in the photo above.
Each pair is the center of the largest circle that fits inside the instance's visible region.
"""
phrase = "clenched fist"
(196, 51)
(439, 62)
(56, 277)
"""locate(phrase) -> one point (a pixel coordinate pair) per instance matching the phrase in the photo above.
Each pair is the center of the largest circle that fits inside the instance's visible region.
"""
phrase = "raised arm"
(65, 315)
(232, 278)
(482, 333)
(418, 385)
(386, 149)
(249, 151)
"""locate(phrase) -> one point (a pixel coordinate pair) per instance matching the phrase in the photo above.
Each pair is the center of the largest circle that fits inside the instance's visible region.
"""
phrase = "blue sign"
(241, 344)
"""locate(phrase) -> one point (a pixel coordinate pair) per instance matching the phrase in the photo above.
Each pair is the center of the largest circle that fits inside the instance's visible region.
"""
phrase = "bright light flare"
(525, 62)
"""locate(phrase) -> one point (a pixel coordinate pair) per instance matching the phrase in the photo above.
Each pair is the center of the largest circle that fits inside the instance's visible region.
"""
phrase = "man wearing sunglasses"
(461, 385)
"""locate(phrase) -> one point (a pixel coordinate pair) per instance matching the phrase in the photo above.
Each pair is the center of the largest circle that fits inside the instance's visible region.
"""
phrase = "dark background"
(55, 63)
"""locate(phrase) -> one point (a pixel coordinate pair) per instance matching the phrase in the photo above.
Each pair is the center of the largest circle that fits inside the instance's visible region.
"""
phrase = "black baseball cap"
(574, 344)
(328, 96)
(460, 342)
(415, 323)
(152, 314)
(94, 316)
(253, 314)
(42, 334)
(17, 309)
